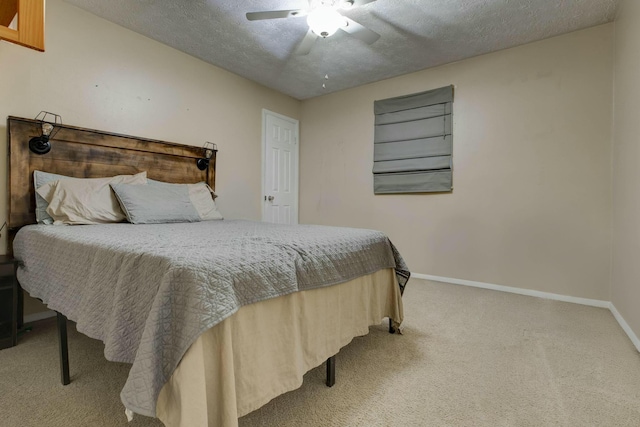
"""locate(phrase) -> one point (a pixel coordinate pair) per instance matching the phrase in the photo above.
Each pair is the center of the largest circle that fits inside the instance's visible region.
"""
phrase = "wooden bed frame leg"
(64, 349)
(331, 371)
(392, 330)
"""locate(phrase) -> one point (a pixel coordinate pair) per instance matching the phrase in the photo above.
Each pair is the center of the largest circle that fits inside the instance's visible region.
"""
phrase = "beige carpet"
(468, 357)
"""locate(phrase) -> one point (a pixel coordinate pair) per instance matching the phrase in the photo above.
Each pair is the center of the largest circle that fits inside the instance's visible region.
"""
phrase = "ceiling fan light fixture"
(324, 21)
(346, 4)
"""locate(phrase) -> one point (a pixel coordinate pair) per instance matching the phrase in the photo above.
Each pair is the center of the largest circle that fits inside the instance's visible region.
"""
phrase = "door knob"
(270, 198)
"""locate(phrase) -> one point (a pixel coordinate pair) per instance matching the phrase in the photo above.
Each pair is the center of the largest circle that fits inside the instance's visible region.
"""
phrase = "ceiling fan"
(324, 19)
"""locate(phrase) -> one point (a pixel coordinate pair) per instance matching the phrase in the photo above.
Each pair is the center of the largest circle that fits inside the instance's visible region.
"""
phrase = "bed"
(182, 302)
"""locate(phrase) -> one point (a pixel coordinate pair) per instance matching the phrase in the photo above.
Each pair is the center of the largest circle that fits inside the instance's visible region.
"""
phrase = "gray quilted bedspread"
(148, 291)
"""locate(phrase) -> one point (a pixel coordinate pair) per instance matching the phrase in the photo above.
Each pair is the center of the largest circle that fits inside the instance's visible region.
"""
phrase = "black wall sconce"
(49, 125)
(209, 148)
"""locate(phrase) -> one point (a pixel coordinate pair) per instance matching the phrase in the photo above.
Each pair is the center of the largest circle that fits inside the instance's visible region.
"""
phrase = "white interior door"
(280, 168)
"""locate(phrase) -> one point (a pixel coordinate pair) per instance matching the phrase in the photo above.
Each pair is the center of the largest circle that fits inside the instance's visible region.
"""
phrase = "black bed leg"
(392, 330)
(331, 371)
(64, 349)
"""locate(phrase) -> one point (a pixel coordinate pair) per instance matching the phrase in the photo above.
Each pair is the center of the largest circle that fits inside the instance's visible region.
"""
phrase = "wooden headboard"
(89, 153)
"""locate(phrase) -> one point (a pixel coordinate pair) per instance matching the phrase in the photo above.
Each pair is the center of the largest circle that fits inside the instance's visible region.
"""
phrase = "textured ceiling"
(416, 34)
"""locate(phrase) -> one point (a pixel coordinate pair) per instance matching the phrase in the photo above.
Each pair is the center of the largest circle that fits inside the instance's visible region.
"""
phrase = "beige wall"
(625, 288)
(98, 75)
(531, 207)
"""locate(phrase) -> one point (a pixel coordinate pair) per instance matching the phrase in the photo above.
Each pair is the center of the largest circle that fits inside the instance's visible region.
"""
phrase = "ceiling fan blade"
(358, 3)
(275, 14)
(360, 32)
(304, 47)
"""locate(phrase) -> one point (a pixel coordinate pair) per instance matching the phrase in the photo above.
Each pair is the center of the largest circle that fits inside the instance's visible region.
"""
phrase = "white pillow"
(202, 196)
(39, 179)
(86, 200)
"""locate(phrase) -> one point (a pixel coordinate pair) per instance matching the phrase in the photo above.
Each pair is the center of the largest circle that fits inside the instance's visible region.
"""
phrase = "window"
(413, 143)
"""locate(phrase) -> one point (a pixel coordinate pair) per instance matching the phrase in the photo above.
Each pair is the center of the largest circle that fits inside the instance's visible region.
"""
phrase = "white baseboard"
(39, 316)
(625, 326)
(547, 295)
(528, 292)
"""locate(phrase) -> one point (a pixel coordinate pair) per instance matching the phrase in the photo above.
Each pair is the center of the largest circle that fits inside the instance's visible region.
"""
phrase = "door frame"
(296, 159)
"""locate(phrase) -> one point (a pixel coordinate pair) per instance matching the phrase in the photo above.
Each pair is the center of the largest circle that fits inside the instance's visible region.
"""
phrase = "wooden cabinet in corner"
(22, 22)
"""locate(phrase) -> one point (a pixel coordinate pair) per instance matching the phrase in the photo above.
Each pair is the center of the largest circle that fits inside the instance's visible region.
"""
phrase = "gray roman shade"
(413, 143)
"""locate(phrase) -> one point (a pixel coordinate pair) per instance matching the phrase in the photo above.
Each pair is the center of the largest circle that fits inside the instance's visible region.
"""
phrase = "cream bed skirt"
(264, 349)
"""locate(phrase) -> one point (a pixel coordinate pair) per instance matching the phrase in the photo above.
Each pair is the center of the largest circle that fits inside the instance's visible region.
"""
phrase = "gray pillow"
(202, 198)
(155, 204)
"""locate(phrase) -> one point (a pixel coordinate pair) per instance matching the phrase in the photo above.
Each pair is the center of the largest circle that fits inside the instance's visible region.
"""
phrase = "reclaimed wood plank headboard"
(89, 153)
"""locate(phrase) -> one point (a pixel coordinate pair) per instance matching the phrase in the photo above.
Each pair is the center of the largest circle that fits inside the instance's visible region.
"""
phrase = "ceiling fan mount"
(324, 20)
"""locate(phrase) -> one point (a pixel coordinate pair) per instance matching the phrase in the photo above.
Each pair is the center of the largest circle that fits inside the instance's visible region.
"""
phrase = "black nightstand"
(8, 302)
